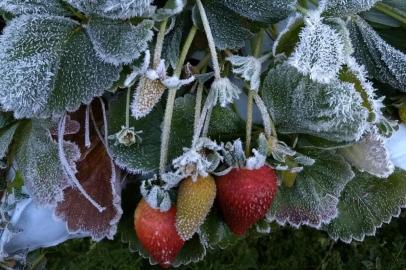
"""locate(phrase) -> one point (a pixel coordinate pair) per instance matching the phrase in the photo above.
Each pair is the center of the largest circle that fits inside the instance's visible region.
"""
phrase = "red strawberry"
(157, 233)
(245, 196)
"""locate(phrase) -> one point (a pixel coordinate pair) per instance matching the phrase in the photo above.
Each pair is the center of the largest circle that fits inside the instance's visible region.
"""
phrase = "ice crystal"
(249, 68)
(156, 196)
(195, 162)
(223, 92)
(320, 52)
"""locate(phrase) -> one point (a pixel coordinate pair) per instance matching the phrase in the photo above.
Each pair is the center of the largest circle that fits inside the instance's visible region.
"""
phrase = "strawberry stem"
(171, 101)
(159, 43)
(250, 103)
(210, 40)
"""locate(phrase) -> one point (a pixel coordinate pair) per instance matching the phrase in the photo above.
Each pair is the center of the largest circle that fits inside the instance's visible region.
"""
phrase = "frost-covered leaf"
(356, 74)
(289, 36)
(6, 136)
(267, 11)
(396, 146)
(383, 62)
(344, 8)
(37, 160)
(370, 155)
(97, 174)
(320, 51)
(314, 197)
(119, 42)
(19, 7)
(365, 204)
(299, 105)
(171, 8)
(225, 125)
(144, 157)
(114, 9)
(48, 65)
(173, 40)
(215, 233)
(227, 27)
(192, 252)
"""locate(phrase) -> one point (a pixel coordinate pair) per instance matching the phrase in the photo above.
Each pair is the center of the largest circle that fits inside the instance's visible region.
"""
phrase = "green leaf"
(48, 65)
(225, 125)
(366, 203)
(144, 157)
(114, 9)
(267, 11)
(349, 7)
(119, 42)
(6, 137)
(229, 31)
(215, 233)
(300, 105)
(289, 37)
(383, 62)
(173, 40)
(192, 252)
(171, 8)
(314, 197)
(38, 161)
(19, 7)
(312, 142)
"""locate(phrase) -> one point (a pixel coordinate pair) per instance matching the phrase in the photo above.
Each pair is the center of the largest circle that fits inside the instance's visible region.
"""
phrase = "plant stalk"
(159, 43)
(250, 104)
(171, 101)
(210, 40)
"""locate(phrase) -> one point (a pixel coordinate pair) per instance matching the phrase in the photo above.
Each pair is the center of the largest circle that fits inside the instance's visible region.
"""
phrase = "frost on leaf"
(300, 105)
(114, 9)
(370, 155)
(383, 62)
(365, 204)
(97, 175)
(19, 7)
(223, 92)
(144, 157)
(289, 36)
(249, 68)
(6, 137)
(119, 42)
(171, 8)
(229, 31)
(37, 160)
(267, 11)
(344, 8)
(314, 197)
(320, 51)
(33, 51)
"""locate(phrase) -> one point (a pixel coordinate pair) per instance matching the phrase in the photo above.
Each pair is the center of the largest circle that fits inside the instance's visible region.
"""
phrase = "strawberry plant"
(218, 117)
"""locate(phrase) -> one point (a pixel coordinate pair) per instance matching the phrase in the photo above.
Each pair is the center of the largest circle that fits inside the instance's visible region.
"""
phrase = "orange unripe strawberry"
(195, 199)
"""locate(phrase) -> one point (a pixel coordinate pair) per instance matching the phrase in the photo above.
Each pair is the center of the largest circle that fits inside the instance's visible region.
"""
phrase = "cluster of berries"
(244, 197)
